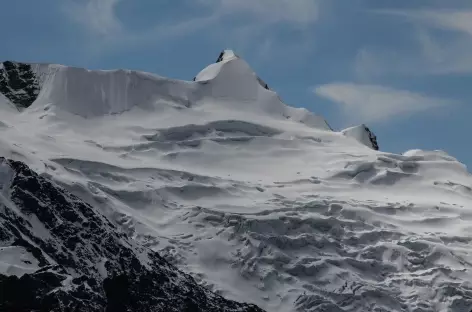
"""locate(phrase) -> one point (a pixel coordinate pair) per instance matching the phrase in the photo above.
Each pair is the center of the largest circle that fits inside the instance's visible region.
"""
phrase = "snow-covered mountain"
(258, 201)
(60, 254)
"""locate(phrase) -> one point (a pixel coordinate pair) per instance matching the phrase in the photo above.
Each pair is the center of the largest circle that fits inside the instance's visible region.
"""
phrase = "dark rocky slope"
(18, 83)
(373, 138)
(83, 262)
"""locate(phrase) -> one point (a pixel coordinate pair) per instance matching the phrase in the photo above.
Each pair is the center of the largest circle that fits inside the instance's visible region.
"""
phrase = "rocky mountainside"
(18, 83)
(58, 253)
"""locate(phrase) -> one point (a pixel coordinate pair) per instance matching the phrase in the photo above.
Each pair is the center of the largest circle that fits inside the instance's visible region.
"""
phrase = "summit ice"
(215, 190)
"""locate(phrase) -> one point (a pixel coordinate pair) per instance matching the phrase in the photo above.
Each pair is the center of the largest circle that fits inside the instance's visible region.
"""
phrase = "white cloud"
(450, 55)
(373, 103)
(296, 12)
(238, 24)
(453, 20)
(97, 16)
(433, 54)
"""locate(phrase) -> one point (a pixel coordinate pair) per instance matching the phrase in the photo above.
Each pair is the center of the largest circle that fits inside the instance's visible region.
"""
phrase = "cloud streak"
(99, 17)
(96, 16)
(295, 12)
(453, 20)
(373, 103)
(433, 54)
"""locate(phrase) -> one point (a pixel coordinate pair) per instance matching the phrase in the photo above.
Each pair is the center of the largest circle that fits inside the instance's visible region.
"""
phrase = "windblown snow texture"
(258, 201)
(18, 83)
(74, 259)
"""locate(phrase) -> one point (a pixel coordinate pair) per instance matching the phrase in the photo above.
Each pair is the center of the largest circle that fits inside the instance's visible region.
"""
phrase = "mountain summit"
(227, 55)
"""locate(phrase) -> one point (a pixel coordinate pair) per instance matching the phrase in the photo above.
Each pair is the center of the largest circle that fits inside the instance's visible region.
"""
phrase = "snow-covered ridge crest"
(228, 85)
(231, 81)
(92, 93)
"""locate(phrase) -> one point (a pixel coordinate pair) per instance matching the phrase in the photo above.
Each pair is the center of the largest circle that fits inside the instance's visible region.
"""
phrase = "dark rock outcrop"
(18, 83)
(83, 261)
(220, 57)
(373, 138)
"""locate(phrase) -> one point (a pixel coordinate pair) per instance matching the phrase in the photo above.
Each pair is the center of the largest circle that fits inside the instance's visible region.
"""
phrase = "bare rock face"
(69, 257)
(18, 83)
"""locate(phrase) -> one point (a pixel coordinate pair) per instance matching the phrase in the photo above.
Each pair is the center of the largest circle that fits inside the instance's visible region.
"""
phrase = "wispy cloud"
(433, 54)
(96, 16)
(295, 12)
(453, 20)
(373, 103)
(449, 55)
(243, 22)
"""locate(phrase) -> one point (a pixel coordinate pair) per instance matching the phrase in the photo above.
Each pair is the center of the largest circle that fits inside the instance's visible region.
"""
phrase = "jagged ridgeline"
(18, 83)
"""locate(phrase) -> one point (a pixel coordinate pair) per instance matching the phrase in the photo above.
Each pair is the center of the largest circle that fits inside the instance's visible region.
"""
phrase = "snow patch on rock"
(17, 261)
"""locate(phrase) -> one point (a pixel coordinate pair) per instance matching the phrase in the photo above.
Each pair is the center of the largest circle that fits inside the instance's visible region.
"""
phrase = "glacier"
(258, 201)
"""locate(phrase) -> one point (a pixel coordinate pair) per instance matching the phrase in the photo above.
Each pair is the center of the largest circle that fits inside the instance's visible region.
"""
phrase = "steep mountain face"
(18, 83)
(58, 253)
(226, 55)
(362, 134)
(372, 138)
(258, 201)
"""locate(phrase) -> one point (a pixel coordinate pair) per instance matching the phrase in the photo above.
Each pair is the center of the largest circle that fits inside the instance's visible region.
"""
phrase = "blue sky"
(402, 67)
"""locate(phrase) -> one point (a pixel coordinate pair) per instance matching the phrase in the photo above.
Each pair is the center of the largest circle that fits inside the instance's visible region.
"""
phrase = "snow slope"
(259, 201)
(60, 254)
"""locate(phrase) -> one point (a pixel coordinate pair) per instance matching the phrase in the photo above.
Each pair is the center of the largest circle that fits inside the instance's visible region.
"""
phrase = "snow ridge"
(98, 93)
